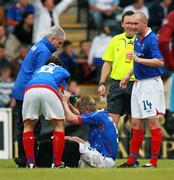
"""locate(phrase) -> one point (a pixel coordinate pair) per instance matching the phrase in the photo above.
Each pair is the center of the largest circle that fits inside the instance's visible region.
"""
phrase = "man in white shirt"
(47, 15)
(138, 6)
(103, 9)
(98, 47)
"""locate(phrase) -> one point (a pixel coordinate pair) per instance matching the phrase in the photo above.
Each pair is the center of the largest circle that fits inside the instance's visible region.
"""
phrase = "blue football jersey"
(147, 48)
(103, 134)
(50, 75)
(35, 58)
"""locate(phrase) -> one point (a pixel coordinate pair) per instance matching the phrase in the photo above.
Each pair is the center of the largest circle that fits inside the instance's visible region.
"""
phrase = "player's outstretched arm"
(70, 116)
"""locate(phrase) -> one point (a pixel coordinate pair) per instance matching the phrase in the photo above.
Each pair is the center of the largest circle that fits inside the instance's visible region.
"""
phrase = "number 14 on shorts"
(147, 105)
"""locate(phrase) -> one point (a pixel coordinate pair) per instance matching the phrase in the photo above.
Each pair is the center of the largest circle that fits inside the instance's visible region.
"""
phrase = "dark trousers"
(20, 128)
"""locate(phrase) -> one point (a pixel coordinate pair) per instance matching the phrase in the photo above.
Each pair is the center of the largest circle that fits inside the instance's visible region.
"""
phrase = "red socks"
(156, 140)
(28, 143)
(58, 146)
(136, 141)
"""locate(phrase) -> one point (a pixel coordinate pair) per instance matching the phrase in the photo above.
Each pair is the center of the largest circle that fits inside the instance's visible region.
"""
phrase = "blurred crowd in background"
(23, 22)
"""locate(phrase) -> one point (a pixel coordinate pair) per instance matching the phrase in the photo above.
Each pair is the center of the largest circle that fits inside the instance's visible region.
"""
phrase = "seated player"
(102, 136)
(42, 96)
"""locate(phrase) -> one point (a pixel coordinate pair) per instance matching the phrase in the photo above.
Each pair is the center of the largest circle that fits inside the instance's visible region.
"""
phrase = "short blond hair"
(86, 102)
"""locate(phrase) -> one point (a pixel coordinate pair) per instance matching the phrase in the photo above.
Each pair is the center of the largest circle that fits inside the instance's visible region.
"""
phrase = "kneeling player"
(42, 96)
(102, 136)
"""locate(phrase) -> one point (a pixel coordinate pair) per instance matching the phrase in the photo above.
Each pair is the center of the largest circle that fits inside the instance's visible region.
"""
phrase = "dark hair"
(55, 60)
(66, 43)
(83, 41)
(127, 13)
(2, 46)
(43, 1)
(26, 14)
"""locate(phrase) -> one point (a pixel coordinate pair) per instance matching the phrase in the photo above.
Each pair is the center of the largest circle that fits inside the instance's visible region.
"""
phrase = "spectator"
(21, 36)
(3, 37)
(138, 6)
(84, 50)
(83, 67)
(23, 31)
(47, 15)
(15, 13)
(3, 61)
(69, 59)
(165, 40)
(73, 88)
(98, 47)
(16, 63)
(2, 15)
(6, 85)
(103, 10)
(158, 12)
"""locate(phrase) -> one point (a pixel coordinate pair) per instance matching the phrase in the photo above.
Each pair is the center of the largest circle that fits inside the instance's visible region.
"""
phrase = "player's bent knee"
(29, 125)
(154, 123)
(136, 124)
(58, 125)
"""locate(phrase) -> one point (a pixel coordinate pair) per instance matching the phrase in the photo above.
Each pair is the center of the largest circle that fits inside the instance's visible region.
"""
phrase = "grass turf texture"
(165, 171)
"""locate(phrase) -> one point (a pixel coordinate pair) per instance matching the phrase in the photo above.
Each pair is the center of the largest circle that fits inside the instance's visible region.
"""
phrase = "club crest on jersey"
(142, 47)
(33, 48)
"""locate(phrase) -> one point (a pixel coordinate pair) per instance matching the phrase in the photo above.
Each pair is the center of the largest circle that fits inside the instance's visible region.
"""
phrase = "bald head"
(141, 16)
(140, 23)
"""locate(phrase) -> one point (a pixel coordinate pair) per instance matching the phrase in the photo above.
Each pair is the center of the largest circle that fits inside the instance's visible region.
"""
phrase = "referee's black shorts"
(118, 99)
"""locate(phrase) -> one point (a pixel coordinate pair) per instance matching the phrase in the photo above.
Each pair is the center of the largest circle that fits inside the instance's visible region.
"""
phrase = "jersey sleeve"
(65, 80)
(109, 53)
(89, 119)
(155, 52)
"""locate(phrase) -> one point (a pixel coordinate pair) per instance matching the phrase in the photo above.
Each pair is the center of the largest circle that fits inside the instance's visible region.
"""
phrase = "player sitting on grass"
(42, 96)
(102, 136)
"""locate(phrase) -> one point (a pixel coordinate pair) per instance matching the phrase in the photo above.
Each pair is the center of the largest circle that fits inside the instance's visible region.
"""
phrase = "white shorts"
(90, 157)
(39, 101)
(148, 98)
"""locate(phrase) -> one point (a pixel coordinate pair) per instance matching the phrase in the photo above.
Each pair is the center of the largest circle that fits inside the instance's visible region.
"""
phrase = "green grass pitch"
(165, 171)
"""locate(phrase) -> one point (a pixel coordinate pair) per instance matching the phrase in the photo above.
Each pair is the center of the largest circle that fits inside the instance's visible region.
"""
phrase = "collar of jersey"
(149, 30)
(48, 44)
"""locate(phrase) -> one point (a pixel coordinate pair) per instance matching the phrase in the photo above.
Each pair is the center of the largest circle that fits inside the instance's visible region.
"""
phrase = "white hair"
(55, 31)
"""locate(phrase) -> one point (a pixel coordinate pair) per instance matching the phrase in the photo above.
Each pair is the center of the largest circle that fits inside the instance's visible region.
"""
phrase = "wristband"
(101, 83)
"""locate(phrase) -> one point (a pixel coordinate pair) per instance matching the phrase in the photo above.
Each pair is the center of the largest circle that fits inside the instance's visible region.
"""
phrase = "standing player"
(147, 101)
(35, 58)
(42, 96)
(117, 66)
(102, 136)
